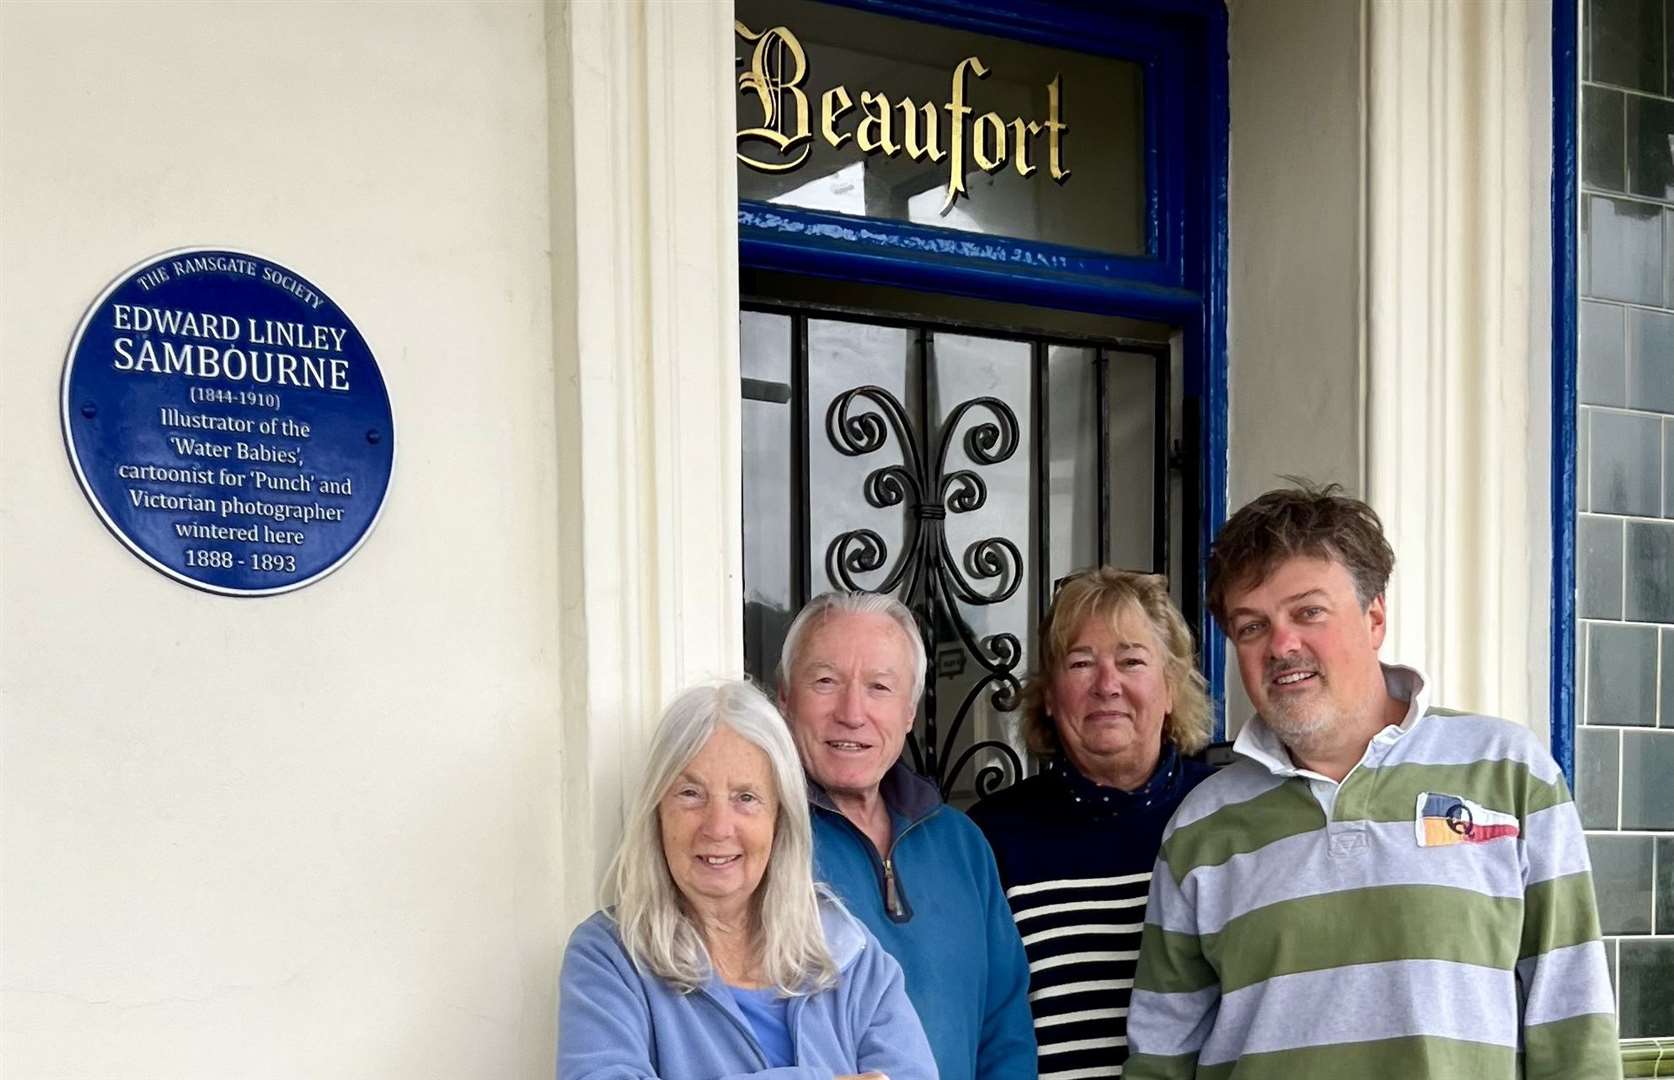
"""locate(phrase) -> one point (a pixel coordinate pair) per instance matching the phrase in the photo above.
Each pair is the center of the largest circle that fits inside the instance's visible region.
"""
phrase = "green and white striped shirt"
(1430, 916)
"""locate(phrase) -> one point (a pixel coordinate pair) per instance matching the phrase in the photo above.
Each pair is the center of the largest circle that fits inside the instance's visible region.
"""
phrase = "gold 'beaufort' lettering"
(778, 70)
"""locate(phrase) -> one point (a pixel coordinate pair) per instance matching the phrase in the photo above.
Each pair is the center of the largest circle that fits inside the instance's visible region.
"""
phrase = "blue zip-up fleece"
(935, 901)
(615, 1023)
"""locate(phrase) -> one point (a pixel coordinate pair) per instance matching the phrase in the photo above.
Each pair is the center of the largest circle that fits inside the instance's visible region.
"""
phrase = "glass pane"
(875, 116)
(1073, 477)
(852, 542)
(769, 589)
(764, 347)
(981, 401)
(1132, 389)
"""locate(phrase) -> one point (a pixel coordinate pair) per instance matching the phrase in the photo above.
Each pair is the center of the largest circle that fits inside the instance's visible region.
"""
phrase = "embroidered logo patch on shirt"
(1443, 820)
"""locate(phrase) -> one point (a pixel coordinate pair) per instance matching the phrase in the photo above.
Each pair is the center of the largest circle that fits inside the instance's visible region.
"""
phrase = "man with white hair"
(916, 871)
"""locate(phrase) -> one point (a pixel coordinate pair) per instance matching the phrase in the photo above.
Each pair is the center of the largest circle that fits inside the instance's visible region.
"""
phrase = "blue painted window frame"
(1181, 47)
(1566, 87)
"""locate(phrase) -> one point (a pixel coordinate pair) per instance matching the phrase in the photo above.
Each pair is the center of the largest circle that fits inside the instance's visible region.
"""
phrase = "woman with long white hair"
(716, 955)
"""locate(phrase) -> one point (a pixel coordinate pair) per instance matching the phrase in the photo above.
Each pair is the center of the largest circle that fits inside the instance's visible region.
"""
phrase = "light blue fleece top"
(615, 1023)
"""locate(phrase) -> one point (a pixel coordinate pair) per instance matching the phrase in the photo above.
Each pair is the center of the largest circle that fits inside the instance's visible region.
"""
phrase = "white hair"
(653, 922)
(841, 602)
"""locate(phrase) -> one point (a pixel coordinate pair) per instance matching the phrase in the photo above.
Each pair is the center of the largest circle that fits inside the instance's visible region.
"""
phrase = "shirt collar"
(908, 796)
(1260, 744)
(1090, 791)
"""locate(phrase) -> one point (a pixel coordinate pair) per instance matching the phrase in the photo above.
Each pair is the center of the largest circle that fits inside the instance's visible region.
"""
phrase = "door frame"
(1181, 47)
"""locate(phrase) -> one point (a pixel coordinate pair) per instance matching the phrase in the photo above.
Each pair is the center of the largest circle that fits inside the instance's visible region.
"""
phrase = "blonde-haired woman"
(1116, 706)
(716, 956)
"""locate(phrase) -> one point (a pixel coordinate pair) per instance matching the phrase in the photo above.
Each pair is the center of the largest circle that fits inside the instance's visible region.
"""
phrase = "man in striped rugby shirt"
(1375, 888)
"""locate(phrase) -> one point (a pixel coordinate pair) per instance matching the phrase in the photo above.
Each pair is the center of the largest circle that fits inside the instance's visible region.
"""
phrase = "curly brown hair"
(1307, 520)
(1107, 593)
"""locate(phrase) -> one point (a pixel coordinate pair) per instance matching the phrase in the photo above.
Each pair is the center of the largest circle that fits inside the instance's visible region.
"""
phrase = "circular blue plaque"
(228, 422)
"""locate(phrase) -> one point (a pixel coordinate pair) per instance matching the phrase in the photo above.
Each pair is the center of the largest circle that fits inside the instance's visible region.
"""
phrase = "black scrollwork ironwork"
(927, 575)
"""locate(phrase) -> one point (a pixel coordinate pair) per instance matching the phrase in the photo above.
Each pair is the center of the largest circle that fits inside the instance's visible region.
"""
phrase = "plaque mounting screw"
(373, 436)
(89, 410)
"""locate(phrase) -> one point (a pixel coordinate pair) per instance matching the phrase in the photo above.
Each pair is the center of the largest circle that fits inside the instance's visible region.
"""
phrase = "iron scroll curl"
(926, 575)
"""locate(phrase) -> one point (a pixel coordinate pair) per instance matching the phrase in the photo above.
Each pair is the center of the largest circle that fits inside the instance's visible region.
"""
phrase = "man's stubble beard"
(1308, 731)
(1302, 725)
(1303, 730)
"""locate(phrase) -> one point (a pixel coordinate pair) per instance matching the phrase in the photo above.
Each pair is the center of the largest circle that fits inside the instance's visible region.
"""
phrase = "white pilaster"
(1459, 146)
(645, 282)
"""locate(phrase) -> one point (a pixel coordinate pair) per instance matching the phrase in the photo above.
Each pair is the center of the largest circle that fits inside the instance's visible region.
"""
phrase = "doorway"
(964, 468)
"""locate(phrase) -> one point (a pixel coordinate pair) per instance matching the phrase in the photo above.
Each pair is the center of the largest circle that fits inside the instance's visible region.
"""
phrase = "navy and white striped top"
(1075, 859)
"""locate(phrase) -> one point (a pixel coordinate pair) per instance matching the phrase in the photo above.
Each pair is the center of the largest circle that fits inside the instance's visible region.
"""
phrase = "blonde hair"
(1105, 593)
(638, 889)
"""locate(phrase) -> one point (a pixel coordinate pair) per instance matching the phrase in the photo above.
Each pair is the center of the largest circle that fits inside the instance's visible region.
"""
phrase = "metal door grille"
(926, 467)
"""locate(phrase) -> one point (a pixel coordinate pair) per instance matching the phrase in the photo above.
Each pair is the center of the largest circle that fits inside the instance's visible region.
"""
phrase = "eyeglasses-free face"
(1307, 650)
(850, 702)
(1109, 697)
(717, 823)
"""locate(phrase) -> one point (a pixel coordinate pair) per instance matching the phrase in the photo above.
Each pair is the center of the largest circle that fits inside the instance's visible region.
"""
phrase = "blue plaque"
(228, 422)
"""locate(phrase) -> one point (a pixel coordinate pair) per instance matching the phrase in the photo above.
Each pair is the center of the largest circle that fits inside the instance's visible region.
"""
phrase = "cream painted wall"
(1295, 338)
(1294, 293)
(314, 835)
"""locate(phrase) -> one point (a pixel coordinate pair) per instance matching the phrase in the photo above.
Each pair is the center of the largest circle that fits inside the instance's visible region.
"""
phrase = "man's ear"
(1377, 620)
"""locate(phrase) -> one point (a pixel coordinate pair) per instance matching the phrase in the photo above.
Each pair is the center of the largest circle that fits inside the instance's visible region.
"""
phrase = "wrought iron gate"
(923, 471)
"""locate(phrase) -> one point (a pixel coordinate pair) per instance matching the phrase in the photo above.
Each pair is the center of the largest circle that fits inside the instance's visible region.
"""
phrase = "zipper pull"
(892, 899)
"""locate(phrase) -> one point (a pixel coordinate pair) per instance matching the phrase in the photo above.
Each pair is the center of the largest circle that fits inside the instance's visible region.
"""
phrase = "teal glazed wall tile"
(1625, 43)
(1650, 146)
(1647, 795)
(1623, 247)
(1651, 366)
(1621, 675)
(1583, 44)
(1665, 697)
(1603, 354)
(1599, 568)
(1665, 886)
(1622, 881)
(1668, 468)
(1597, 776)
(1668, 263)
(1583, 458)
(1603, 139)
(1650, 573)
(1647, 988)
(1626, 464)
